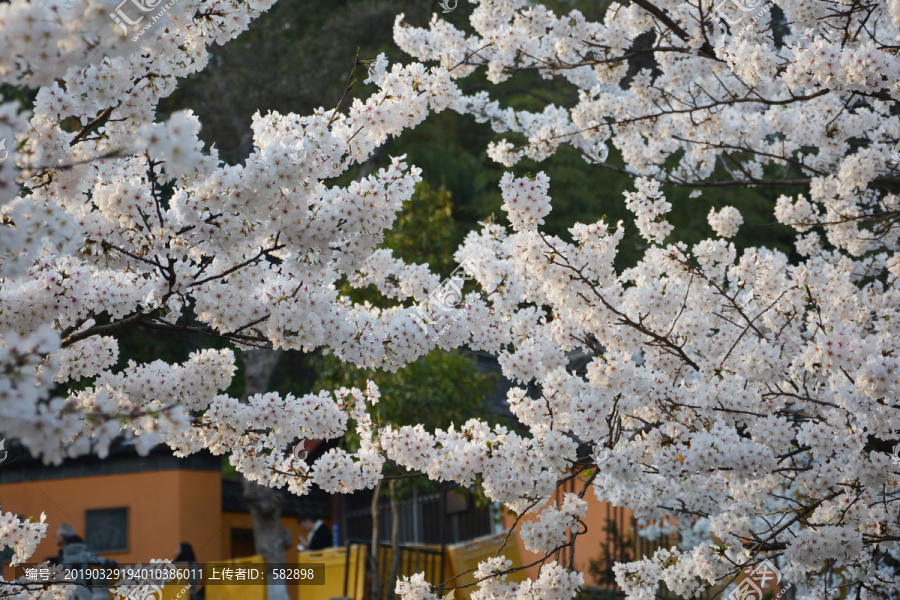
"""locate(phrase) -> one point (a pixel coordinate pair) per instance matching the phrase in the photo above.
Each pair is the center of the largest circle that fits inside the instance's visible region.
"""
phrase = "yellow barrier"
(467, 555)
(335, 561)
(224, 591)
(414, 558)
(459, 558)
(177, 589)
(174, 591)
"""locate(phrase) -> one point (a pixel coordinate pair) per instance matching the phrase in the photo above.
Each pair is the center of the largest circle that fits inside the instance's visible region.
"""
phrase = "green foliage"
(442, 387)
(436, 390)
(439, 388)
(25, 96)
(229, 473)
(423, 232)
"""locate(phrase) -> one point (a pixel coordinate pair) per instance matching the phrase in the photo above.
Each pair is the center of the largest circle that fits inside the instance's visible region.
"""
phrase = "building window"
(242, 543)
(106, 529)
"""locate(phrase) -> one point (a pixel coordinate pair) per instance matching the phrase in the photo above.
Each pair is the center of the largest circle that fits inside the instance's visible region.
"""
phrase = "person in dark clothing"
(74, 553)
(318, 536)
(185, 558)
(185, 554)
(65, 534)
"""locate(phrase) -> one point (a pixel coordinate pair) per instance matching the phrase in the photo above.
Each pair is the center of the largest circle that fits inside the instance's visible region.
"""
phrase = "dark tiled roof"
(316, 501)
(19, 465)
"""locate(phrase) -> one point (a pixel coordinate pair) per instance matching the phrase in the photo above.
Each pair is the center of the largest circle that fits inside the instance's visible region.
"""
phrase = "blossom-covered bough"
(112, 221)
(744, 400)
(759, 418)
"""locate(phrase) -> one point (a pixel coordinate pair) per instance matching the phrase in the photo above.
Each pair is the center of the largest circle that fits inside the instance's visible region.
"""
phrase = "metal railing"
(413, 559)
(422, 518)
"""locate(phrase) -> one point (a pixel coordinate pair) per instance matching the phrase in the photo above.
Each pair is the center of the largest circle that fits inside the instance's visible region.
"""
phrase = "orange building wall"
(201, 499)
(588, 546)
(164, 509)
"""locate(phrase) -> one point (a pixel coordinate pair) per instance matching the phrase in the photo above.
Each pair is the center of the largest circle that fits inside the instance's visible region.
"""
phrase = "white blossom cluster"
(738, 396)
(22, 536)
(554, 582)
(526, 202)
(729, 387)
(551, 531)
(650, 207)
(512, 469)
(742, 96)
(725, 222)
(745, 349)
(414, 587)
(493, 579)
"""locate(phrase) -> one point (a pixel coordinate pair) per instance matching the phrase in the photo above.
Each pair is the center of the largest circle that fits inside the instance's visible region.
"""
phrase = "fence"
(421, 518)
(451, 564)
(413, 559)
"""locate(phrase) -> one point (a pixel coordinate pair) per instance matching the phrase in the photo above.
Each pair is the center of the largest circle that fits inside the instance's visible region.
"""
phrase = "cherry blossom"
(739, 396)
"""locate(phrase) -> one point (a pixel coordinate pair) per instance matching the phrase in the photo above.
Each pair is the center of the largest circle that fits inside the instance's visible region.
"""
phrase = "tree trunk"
(375, 592)
(395, 534)
(269, 537)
